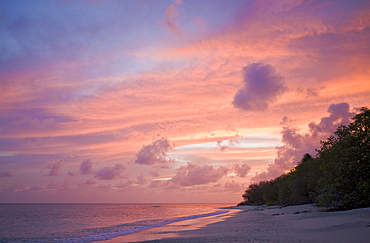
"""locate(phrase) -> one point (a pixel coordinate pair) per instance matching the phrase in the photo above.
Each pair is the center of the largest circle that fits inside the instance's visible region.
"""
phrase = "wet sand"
(304, 223)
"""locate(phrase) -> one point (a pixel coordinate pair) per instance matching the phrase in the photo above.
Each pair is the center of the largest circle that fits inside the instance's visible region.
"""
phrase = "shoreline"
(302, 223)
(173, 229)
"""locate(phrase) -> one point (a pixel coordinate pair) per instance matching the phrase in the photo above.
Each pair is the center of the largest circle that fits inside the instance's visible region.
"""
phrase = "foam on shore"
(113, 234)
(303, 223)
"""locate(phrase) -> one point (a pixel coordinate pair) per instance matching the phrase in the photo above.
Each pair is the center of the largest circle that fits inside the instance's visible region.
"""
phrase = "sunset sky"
(171, 100)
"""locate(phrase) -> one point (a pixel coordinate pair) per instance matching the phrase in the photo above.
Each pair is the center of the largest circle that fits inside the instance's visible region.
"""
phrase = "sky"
(146, 101)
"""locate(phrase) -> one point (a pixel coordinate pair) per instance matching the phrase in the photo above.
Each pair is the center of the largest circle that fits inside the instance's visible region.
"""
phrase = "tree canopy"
(338, 177)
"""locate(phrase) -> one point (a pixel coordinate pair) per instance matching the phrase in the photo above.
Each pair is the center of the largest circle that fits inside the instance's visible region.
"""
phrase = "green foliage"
(345, 159)
(338, 178)
(254, 193)
(296, 187)
(304, 180)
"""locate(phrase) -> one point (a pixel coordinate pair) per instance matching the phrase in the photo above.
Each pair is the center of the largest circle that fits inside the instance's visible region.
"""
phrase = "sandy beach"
(304, 223)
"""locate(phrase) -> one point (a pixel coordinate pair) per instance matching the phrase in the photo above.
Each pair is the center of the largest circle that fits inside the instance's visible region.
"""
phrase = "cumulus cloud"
(5, 173)
(155, 152)
(339, 115)
(54, 168)
(86, 167)
(262, 86)
(191, 174)
(297, 144)
(242, 170)
(109, 173)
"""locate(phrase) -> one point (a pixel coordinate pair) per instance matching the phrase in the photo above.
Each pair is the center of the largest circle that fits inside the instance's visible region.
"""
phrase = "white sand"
(304, 223)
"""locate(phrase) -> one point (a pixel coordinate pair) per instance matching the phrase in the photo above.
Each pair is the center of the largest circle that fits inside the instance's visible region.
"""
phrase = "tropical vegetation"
(337, 177)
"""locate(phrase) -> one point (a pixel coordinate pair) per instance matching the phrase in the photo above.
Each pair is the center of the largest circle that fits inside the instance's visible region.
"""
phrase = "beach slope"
(303, 223)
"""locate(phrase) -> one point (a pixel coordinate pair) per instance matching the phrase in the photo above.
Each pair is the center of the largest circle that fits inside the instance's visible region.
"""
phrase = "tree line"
(337, 177)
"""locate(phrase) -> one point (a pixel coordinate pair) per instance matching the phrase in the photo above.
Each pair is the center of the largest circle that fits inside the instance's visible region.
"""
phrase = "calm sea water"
(91, 222)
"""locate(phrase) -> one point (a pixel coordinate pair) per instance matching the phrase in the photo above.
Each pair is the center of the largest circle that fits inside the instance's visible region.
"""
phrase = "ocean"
(92, 222)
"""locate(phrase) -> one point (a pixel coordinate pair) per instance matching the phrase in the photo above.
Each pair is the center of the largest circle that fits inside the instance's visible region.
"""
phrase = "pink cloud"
(297, 144)
(231, 143)
(170, 20)
(109, 173)
(242, 170)
(233, 186)
(155, 152)
(222, 147)
(191, 174)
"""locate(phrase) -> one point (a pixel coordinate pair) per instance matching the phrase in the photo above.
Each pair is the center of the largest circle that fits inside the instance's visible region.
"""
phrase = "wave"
(116, 233)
